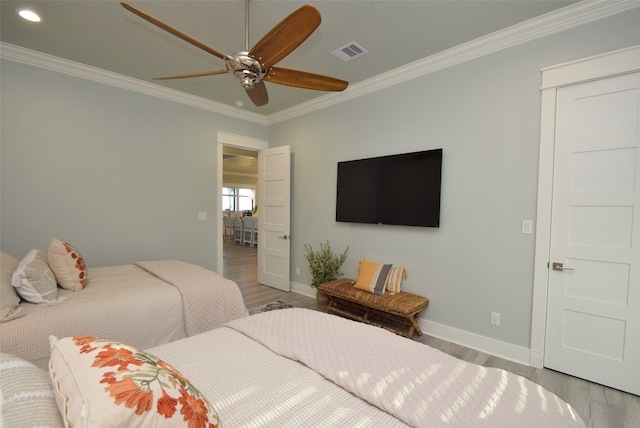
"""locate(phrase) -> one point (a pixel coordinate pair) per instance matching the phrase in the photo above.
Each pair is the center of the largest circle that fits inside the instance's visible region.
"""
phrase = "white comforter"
(128, 304)
(251, 387)
(296, 367)
(208, 299)
(420, 385)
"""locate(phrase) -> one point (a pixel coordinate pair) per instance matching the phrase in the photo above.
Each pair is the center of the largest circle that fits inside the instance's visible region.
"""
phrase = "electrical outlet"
(495, 318)
(202, 216)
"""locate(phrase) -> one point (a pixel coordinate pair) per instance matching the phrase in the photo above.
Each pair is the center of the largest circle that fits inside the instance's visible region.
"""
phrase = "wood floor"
(599, 406)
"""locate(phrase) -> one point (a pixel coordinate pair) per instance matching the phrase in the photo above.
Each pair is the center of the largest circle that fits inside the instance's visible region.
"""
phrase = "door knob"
(559, 267)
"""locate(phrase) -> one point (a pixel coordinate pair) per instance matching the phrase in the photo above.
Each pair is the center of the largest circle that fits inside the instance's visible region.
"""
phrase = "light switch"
(202, 216)
(527, 226)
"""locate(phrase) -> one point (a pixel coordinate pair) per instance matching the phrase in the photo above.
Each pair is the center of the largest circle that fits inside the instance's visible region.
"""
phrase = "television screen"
(401, 189)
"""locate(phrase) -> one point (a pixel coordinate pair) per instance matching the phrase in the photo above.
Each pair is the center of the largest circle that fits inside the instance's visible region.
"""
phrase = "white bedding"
(122, 303)
(250, 386)
(297, 367)
(419, 385)
(208, 300)
(128, 304)
(336, 373)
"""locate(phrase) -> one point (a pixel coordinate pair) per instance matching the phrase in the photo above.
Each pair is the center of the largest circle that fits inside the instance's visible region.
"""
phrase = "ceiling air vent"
(349, 51)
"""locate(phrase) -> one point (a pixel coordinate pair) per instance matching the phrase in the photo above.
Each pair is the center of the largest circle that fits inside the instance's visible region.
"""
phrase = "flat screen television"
(402, 189)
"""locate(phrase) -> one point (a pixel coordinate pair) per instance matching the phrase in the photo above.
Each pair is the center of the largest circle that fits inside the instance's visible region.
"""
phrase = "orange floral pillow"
(67, 265)
(99, 382)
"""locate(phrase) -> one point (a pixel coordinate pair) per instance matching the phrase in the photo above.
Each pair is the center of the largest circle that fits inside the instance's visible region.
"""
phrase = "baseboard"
(508, 351)
(536, 358)
(305, 290)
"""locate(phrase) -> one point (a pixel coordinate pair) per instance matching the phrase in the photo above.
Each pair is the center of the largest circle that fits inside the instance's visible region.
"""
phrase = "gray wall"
(120, 175)
(485, 114)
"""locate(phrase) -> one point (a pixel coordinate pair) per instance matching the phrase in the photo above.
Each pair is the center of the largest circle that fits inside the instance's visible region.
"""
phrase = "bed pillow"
(34, 281)
(9, 299)
(67, 265)
(100, 382)
(26, 395)
(372, 276)
(394, 280)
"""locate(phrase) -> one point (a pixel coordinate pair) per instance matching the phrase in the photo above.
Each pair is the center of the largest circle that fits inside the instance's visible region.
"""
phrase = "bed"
(143, 303)
(291, 368)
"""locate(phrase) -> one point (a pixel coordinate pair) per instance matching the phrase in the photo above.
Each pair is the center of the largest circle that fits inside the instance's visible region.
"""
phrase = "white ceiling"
(102, 34)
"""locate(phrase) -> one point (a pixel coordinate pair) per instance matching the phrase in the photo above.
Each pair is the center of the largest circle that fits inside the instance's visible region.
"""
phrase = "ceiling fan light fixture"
(247, 78)
(248, 82)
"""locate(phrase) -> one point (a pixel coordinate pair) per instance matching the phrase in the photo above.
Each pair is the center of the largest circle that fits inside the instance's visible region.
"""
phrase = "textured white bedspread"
(251, 387)
(209, 300)
(418, 384)
(123, 303)
(143, 305)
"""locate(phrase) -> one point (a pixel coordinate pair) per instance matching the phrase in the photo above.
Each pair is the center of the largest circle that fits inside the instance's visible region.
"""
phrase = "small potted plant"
(324, 266)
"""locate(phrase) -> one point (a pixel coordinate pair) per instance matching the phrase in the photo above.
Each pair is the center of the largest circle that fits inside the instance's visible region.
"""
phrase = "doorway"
(240, 151)
(274, 196)
(239, 206)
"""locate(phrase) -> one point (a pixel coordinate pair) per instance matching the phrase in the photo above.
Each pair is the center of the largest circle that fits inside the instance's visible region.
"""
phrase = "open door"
(274, 187)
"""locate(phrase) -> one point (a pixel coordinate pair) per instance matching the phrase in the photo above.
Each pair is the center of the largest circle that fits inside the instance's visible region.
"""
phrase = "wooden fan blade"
(304, 79)
(174, 31)
(258, 93)
(183, 76)
(286, 36)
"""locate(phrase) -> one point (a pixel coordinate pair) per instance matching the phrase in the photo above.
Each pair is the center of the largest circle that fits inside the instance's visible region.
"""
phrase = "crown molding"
(76, 69)
(553, 22)
(229, 139)
(568, 17)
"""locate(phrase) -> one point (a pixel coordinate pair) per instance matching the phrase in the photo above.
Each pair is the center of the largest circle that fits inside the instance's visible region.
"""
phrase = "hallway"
(240, 264)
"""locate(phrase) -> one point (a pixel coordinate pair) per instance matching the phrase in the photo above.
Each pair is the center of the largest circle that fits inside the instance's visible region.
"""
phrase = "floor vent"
(349, 51)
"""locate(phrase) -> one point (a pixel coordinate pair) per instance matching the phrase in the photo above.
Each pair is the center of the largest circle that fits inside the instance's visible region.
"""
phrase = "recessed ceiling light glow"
(29, 15)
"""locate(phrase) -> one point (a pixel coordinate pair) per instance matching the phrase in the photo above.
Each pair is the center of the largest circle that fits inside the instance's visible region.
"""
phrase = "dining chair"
(237, 230)
(228, 228)
(254, 235)
(247, 231)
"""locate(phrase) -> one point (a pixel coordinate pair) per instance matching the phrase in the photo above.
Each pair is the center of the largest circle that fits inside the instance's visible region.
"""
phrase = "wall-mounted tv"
(401, 189)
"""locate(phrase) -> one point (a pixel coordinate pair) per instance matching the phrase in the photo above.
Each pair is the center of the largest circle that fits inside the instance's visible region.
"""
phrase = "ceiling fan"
(256, 65)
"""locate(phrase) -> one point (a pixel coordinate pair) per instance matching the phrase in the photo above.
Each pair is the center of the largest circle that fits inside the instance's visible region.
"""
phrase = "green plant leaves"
(324, 264)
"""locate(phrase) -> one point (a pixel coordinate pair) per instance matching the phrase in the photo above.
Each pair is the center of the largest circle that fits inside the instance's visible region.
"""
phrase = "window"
(238, 199)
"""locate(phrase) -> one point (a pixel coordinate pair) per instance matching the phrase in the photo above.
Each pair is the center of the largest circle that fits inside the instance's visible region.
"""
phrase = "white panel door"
(274, 172)
(593, 315)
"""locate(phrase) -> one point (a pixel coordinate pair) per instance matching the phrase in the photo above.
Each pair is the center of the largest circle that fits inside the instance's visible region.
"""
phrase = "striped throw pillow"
(372, 276)
(26, 395)
(394, 279)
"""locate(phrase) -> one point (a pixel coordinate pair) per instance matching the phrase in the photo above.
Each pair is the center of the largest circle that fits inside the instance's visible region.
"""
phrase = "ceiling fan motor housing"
(246, 68)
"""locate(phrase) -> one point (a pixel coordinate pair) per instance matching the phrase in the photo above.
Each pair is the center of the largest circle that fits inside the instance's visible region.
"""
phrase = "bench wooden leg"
(416, 325)
(403, 326)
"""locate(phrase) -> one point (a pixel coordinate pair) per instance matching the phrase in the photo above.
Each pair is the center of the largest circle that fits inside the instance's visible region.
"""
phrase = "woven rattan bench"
(398, 312)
